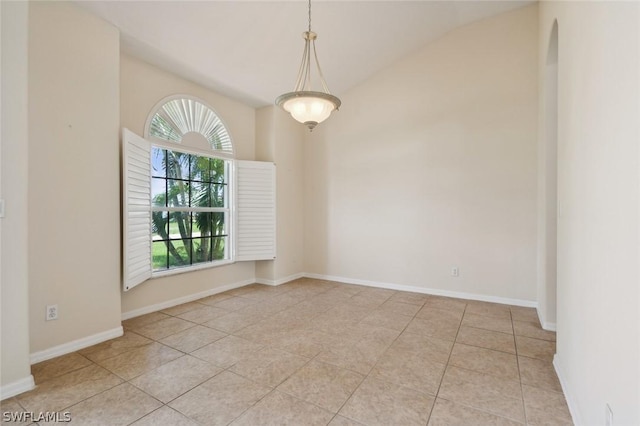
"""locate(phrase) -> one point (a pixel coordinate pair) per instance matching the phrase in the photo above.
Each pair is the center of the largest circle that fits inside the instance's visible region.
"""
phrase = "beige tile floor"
(311, 352)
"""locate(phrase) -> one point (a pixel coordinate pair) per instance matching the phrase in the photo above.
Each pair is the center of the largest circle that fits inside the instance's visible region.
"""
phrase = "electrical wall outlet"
(608, 416)
(455, 271)
(52, 312)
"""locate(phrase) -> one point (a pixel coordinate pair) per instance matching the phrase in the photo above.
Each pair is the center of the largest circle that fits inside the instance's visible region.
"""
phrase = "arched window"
(183, 118)
(190, 177)
(187, 203)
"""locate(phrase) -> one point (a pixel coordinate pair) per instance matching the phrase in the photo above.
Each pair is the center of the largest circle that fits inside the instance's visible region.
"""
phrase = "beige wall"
(281, 140)
(142, 86)
(548, 181)
(290, 142)
(431, 164)
(598, 313)
(14, 273)
(74, 199)
(265, 134)
(265, 151)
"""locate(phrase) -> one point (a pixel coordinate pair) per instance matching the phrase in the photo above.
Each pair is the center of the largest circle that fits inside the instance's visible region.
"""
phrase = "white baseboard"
(549, 326)
(75, 345)
(281, 280)
(424, 290)
(573, 408)
(185, 299)
(17, 387)
(85, 342)
(190, 298)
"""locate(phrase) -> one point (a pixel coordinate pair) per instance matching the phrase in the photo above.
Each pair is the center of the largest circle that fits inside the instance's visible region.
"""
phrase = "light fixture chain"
(309, 15)
(324, 83)
(304, 69)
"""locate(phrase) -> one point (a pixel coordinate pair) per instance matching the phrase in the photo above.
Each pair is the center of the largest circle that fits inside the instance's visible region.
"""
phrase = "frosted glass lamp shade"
(309, 108)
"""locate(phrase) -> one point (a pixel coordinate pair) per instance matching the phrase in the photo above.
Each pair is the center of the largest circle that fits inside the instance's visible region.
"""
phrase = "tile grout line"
(486, 374)
(268, 393)
(183, 354)
(309, 361)
(274, 388)
(515, 342)
(68, 407)
(448, 360)
(370, 370)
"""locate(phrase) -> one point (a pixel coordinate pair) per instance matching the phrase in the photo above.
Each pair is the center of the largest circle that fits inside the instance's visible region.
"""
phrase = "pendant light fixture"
(304, 104)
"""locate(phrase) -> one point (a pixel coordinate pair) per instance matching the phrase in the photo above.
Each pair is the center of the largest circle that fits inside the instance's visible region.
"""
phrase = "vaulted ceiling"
(251, 50)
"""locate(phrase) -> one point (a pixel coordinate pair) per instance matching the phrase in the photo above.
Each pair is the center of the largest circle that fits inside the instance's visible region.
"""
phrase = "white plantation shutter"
(256, 210)
(136, 221)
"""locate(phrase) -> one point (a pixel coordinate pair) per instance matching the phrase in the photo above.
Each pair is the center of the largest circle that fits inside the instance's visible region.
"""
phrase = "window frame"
(228, 210)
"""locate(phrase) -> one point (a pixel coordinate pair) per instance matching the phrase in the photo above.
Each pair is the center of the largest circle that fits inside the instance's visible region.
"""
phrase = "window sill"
(185, 269)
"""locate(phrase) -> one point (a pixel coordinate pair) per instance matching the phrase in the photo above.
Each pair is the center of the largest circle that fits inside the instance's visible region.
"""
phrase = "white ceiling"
(251, 50)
